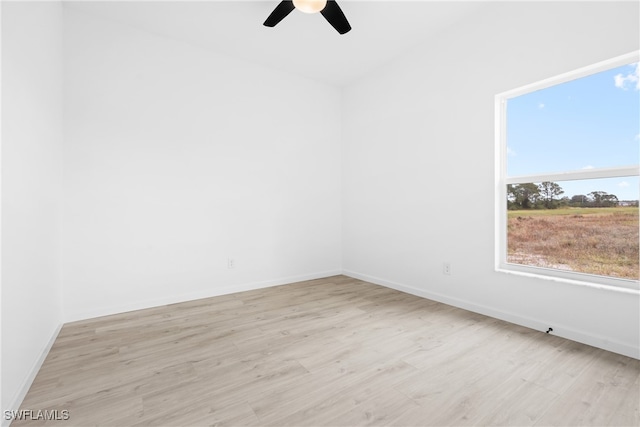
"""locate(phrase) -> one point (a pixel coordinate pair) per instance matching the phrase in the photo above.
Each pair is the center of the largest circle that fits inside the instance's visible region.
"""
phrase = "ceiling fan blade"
(335, 16)
(283, 9)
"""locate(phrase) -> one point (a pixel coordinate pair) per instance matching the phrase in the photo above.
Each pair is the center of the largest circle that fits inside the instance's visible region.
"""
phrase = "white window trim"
(501, 181)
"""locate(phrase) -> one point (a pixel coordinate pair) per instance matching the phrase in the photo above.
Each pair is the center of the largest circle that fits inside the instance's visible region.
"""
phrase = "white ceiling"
(302, 44)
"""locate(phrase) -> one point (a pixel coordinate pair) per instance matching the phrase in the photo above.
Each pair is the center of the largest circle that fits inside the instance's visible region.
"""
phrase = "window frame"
(502, 180)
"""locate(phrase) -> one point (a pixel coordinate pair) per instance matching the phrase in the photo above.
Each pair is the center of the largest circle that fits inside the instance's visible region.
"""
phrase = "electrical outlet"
(231, 263)
(446, 268)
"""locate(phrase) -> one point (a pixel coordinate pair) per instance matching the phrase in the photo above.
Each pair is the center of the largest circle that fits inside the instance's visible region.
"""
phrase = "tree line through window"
(549, 195)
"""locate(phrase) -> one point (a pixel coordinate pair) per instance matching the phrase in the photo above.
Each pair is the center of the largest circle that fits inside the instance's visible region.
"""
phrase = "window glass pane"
(588, 226)
(591, 122)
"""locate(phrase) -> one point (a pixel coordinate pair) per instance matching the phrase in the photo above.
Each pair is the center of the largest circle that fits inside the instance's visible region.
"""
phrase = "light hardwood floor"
(334, 351)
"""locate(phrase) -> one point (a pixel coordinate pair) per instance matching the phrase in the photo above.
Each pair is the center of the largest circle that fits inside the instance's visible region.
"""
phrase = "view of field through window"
(585, 225)
(594, 233)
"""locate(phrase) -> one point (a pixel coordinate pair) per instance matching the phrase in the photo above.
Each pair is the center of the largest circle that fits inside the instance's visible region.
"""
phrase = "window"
(567, 176)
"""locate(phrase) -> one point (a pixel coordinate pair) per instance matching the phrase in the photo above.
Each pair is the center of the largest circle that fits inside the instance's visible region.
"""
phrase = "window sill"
(579, 279)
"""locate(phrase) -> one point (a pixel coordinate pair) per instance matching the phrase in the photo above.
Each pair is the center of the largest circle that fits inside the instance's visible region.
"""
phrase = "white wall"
(176, 159)
(31, 177)
(418, 176)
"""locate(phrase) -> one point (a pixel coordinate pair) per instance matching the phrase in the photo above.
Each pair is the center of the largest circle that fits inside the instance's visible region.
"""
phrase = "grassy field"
(601, 241)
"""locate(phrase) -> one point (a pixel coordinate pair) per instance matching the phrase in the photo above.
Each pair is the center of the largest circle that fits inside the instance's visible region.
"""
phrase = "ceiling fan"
(328, 8)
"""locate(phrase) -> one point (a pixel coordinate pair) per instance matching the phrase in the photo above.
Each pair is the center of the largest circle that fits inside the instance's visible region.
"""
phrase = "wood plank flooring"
(327, 352)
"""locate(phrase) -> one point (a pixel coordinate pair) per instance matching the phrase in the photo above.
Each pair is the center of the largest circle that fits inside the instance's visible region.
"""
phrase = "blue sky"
(592, 122)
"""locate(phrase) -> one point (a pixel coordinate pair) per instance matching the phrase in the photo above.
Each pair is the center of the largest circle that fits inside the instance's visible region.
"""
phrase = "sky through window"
(591, 122)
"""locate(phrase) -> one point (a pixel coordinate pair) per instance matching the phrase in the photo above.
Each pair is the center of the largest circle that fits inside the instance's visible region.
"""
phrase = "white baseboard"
(208, 293)
(537, 324)
(16, 401)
